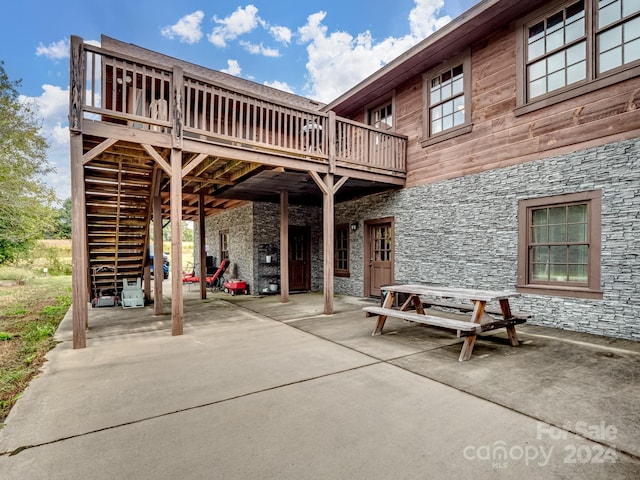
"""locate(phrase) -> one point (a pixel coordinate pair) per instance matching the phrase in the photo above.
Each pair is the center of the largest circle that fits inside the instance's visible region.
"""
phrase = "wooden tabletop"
(451, 292)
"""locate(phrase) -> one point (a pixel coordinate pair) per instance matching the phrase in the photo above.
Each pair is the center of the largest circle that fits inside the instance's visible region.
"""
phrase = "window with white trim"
(447, 100)
(382, 116)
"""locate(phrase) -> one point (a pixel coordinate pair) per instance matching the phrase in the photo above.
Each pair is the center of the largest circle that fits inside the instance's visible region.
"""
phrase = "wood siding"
(499, 138)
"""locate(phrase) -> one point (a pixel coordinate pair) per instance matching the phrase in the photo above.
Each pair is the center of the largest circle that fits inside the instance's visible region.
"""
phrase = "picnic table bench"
(420, 296)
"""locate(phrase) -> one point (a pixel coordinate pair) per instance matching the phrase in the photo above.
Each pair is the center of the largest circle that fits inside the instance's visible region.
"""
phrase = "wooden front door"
(379, 255)
(299, 258)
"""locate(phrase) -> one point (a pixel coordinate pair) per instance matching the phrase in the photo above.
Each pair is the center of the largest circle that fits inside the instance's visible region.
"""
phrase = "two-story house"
(500, 152)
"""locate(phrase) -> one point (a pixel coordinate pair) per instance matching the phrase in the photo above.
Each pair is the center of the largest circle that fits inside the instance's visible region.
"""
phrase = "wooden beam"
(98, 149)
(79, 249)
(284, 246)
(319, 182)
(158, 158)
(207, 180)
(273, 159)
(125, 133)
(245, 169)
(193, 164)
(339, 184)
(177, 303)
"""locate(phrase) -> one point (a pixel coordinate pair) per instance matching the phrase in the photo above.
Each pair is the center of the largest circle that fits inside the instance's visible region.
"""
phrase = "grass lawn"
(32, 304)
(31, 308)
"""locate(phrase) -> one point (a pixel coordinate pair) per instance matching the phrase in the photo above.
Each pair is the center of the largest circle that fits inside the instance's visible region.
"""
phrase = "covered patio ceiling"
(266, 186)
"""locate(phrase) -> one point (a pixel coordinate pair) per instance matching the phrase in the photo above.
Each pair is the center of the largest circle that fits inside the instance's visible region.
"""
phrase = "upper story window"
(447, 95)
(576, 48)
(557, 51)
(446, 100)
(559, 245)
(382, 116)
(618, 33)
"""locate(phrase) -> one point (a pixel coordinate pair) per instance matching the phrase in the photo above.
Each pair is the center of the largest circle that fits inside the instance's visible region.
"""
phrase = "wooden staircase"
(118, 210)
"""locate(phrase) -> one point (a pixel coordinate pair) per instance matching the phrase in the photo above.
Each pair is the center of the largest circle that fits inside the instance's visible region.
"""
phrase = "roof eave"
(453, 38)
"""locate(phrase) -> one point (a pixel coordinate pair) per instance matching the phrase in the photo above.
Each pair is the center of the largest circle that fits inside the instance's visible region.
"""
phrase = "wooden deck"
(155, 140)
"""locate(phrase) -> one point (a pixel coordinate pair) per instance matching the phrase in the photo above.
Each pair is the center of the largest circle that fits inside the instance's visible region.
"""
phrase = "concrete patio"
(257, 389)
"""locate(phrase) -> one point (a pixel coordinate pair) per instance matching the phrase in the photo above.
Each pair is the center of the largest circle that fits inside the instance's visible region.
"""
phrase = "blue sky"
(315, 48)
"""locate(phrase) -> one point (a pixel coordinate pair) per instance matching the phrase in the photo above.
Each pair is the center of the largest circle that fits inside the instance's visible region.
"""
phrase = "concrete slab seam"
(17, 450)
(602, 442)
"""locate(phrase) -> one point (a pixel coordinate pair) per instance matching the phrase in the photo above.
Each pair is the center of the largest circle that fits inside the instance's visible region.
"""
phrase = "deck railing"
(140, 94)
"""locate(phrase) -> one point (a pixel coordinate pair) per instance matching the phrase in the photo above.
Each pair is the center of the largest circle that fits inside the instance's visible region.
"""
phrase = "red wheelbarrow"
(236, 286)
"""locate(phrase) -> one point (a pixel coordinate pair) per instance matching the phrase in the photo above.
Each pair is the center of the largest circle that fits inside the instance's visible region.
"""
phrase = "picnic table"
(419, 296)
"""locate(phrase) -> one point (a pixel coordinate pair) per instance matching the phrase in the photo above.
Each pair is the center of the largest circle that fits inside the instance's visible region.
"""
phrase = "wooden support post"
(284, 247)
(202, 250)
(158, 267)
(76, 86)
(328, 189)
(146, 281)
(79, 250)
(331, 139)
(327, 234)
(177, 303)
(177, 109)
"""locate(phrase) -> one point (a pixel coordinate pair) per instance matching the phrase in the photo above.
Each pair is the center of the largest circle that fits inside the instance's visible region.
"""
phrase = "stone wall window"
(559, 245)
(224, 245)
(341, 251)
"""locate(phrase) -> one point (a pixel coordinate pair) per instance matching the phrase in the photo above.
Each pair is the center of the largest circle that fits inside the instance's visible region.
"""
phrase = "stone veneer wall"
(464, 232)
(239, 222)
(254, 230)
(267, 232)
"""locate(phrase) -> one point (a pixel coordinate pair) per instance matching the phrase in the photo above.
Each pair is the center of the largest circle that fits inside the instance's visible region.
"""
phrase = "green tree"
(187, 232)
(63, 220)
(26, 202)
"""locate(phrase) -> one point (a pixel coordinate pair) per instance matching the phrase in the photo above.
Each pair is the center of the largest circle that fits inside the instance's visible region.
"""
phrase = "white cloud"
(60, 134)
(187, 29)
(280, 86)
(281, 34)
(260, 49)
(54, 51)
(53, 109)
(337, 61)
(233, 68)
(242, 21)
(423, 19)
(53, 104)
